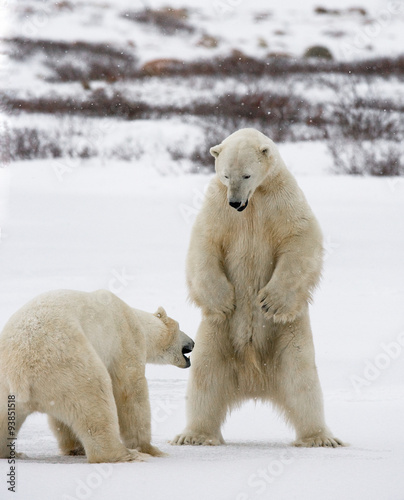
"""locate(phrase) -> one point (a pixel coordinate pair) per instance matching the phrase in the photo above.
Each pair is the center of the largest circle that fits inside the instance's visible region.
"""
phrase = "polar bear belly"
(249, 266)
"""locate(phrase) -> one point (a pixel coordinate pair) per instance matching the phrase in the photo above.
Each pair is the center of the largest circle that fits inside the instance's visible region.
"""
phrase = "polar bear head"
(243, 161)
(171, 344)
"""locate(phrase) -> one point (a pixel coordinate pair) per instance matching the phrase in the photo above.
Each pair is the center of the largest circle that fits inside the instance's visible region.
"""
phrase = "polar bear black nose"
(235, 204)
(188, 347)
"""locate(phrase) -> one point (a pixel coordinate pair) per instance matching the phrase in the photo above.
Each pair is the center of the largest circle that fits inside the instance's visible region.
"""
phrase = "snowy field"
(95, 223)
(350, 29)
(40, 55)
(126, 228)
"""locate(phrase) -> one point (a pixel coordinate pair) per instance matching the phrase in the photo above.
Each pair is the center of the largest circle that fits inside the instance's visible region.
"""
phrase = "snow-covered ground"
(126, 227)
(350, 29)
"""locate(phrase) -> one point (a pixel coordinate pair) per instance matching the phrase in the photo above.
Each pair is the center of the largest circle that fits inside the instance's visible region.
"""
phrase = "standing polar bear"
(254, 259)
(80, 357)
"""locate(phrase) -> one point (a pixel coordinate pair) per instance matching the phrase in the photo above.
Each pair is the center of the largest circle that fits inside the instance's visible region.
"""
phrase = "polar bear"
(254, 259)
(80, 357)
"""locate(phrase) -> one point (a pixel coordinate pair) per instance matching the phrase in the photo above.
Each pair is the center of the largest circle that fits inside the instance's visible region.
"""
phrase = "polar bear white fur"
(80, 357)
(254, 258)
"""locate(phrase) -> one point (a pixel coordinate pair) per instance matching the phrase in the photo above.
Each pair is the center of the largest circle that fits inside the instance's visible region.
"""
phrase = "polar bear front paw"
(191, 438)
(135, 456)
(153, 451)
(319, 440)
(281, 307)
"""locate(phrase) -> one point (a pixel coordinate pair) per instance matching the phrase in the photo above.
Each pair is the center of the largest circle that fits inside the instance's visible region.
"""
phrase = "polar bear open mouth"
(242, 207)
(185, 350)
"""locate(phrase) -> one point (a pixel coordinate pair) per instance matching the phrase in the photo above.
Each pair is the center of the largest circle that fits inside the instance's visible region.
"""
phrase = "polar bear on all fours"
(255, 256)
(80, 357)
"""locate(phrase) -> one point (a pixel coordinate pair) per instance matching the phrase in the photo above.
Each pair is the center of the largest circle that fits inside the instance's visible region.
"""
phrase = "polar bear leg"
(9, 432)
(132, 399)
(68, 442)
(211, 389)
(83, 400)
(297, 386)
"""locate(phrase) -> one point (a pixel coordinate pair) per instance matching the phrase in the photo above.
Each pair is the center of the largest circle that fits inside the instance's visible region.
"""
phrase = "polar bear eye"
(226, 176)
(246, 176)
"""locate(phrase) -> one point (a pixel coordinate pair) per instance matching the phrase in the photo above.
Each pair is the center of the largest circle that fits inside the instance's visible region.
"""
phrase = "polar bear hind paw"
(128, 456)
(137, 456)
(153, 451)
(75, 452)
(191, 438)
(131, 456)
(319, 441)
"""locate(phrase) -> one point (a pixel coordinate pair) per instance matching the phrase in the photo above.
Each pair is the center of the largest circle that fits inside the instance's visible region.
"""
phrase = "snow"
(126, 228)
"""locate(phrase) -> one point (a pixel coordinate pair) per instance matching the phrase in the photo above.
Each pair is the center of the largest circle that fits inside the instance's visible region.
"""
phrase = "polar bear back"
(52, 332)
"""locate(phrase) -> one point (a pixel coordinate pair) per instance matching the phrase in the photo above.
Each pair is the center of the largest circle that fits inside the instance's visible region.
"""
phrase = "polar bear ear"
(265, 149)
(160, 313)
(216, 150)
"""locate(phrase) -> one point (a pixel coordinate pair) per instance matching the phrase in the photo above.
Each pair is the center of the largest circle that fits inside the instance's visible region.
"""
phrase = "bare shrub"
(77, 61)
(23, 48)
(213, 133)
(107, 69)
(28, 144)
(99, 103)
(364, 135)
(363, 118)
(238, 63)
(177, 153)
(367, 158)
(127, 150)
(278, 112)
(235, 64)
(287, 116)
(362, 123)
